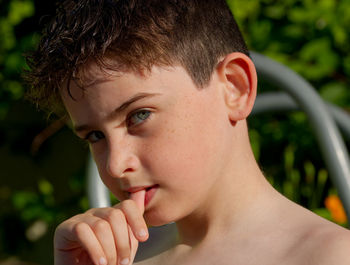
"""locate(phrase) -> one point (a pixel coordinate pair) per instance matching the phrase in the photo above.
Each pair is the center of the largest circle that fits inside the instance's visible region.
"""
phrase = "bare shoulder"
(333, 246)
(315, 240)
(325, 244)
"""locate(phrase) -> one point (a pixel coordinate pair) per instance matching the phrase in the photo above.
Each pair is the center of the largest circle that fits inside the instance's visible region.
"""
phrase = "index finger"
(133, 210)
(139, 198)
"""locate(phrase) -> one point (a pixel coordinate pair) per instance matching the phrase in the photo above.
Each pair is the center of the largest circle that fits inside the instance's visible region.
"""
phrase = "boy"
(161, 90)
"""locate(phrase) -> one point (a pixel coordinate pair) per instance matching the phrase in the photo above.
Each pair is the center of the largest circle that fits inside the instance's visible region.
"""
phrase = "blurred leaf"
(340, 35)
(295, 177)
(288, 190)
(299, 15)
(84, 203)
(323, 213)
(322, 178)
(306, 191)
(314, 65)
(22, 198)
(335, 92)
(294, 31)
(289, 158)
(4, 106)
(20, 9)
(14, 88)
(255, 143)
(309, 172)
(45, 187)
(243, 9)
(8, 39)
(346, 63)
(14, 62)
(299, 117)
(260, 32)
(275, 11)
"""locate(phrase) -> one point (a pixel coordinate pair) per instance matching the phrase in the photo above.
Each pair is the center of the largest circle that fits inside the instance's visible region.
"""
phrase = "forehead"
(98, 70)
(107, 89)
(92, 78)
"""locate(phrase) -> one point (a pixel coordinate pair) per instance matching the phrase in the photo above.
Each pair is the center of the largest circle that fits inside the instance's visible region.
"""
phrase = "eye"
(137, 117)
(94, 136)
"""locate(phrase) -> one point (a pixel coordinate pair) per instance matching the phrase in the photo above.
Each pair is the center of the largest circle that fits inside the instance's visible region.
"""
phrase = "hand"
(102, 236)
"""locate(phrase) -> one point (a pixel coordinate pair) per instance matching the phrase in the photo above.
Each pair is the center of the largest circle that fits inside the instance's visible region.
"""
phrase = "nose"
(121, 160)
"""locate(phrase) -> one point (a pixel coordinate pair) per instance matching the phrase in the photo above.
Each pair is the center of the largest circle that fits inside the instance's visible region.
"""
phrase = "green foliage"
(312, 37)
(18, 10)
(11, 49)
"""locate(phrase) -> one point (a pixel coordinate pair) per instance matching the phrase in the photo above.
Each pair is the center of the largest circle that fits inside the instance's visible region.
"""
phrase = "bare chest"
(251, 249)
(226, 253)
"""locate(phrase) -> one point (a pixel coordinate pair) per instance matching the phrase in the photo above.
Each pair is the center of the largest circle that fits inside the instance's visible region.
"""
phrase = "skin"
(193, 144)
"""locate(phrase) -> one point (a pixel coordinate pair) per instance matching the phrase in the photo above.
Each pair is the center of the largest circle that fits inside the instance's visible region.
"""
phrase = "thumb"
(139, 198)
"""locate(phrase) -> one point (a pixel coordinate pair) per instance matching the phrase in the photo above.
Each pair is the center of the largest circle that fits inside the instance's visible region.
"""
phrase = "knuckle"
(100, 225)
(80, 227)
(91, 211)
(123, 249)
(114, 215)
(77, 218)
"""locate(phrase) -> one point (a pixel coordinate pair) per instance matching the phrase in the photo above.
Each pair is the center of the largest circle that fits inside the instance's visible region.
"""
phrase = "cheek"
(184, 171)
(183, 152)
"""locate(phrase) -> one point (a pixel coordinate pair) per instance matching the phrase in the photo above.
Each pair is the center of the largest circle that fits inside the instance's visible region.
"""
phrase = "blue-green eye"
(94, 136)
(138, 117)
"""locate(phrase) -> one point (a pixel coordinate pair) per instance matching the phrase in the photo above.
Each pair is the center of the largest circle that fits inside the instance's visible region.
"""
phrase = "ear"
(238, 77)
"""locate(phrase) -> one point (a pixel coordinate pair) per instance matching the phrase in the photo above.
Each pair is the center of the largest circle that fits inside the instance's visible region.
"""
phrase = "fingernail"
(103, 261)
(142, 233)
(125, 261)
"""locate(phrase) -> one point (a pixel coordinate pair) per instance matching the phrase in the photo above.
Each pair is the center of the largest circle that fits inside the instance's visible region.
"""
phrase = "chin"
(157, 218)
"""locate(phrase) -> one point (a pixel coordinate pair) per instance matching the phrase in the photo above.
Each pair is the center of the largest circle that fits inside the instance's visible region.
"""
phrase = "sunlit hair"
(129, 35)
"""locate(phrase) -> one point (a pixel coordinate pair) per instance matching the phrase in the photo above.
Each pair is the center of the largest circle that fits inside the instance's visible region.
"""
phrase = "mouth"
(150, 191)
(138, 188)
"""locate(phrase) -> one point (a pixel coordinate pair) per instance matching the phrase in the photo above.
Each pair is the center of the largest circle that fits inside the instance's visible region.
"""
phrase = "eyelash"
(100, 135)
(133, 114)
(91, 134)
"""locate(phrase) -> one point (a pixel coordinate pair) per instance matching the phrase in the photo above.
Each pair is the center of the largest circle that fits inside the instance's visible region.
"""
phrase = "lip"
(137, 188)
(150, 191)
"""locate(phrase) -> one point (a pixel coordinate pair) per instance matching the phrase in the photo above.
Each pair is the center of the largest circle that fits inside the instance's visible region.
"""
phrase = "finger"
(135, 218)
(139, 199)
(105, 236)
(119, 226)
(87, 239)
(134, 245)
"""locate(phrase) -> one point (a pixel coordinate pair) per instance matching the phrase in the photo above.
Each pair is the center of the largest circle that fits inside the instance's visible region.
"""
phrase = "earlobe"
(238, 75)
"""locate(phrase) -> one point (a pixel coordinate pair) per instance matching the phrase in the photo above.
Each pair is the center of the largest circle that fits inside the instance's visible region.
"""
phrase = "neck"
(236, 198)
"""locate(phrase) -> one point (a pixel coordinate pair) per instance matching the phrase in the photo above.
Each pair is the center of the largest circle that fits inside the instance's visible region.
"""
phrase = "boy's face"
(157, 131)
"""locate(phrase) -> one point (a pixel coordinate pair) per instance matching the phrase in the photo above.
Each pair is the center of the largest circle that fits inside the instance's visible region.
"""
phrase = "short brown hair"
(136, 35)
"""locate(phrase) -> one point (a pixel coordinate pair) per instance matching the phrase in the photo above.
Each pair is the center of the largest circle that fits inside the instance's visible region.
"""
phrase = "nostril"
(120, 166)
(128, 170)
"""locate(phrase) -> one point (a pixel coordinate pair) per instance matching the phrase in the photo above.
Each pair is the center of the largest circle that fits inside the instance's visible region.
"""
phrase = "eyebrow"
(118, 110)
